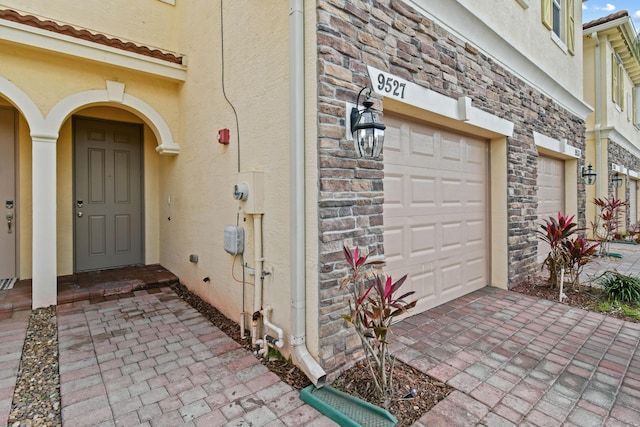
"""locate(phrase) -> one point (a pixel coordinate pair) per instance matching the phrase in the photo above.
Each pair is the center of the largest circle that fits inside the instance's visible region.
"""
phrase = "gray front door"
(7, 195)
(108, 194)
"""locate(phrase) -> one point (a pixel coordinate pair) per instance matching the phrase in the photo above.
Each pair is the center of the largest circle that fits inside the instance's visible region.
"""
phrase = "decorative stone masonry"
(624, 158)
(392, 36)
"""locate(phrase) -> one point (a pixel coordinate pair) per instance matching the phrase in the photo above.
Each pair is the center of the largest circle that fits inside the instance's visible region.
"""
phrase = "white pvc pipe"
(266, 313)
(301, 355)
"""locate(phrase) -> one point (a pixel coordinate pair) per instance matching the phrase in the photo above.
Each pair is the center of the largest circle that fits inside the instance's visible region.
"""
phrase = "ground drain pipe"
(301, 355)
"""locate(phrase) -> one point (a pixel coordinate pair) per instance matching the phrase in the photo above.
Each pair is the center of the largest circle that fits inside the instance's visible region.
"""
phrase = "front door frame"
(141, 190)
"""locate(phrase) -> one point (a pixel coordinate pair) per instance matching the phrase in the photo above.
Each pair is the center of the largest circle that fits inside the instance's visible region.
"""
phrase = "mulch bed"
(585, 297)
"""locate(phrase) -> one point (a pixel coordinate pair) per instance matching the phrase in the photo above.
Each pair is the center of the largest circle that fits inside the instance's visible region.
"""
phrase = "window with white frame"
(617, 81)
(559, 17)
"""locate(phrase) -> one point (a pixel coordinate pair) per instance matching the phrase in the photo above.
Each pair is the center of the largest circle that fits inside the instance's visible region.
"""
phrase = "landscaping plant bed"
(355, 381)
(586, 297)
(428, 391)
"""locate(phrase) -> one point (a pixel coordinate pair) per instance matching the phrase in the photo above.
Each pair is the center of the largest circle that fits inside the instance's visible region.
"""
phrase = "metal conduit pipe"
(301, 355)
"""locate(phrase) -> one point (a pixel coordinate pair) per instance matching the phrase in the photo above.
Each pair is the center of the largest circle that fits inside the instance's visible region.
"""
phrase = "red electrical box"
(223, 136)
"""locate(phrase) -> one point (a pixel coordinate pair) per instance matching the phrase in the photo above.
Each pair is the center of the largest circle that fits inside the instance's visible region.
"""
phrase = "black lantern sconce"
(366, 128)
(588, 175)
(616, 180)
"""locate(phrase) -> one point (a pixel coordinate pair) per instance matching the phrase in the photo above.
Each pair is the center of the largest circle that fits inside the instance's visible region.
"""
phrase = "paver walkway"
(518, 360)
(153, 360)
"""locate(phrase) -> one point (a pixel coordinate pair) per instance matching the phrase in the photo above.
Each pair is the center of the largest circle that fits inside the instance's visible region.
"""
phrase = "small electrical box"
(251, 185)
(234, 239)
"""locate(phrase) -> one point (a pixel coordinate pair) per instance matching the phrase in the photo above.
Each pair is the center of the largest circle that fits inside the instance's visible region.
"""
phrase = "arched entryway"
(44, 133)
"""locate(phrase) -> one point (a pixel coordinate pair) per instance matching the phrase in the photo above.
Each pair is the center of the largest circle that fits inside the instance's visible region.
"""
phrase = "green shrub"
(604, 307)
(619, 287)
(630, 311)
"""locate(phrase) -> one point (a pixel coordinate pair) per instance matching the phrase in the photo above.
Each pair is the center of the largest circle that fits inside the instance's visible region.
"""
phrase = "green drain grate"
(346, 410)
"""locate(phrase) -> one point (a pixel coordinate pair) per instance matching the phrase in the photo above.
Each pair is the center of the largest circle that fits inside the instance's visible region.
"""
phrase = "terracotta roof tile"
(605, 19)
(68, 30)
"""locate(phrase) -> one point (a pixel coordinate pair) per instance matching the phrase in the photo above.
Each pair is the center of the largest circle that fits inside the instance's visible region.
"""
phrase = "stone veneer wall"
(622, 157)
(391, 36)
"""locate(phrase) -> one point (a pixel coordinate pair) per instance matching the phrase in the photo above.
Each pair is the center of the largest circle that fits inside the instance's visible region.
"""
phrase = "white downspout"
(297, 184)
(257, 262)
(258, 259)
(602, 170)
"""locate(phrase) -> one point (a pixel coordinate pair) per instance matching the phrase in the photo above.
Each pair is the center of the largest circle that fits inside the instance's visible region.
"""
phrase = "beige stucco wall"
(188, 197)
(523, 28)
(150, 22)
(47, 79)
(199, 182)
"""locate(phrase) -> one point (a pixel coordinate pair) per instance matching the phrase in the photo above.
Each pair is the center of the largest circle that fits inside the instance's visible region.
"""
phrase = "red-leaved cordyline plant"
(373, 306)
(608, 217)
(565, 253)
(554, 231)
(579, 251)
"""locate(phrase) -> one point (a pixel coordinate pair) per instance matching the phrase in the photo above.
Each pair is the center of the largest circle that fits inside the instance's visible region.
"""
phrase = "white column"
(44, 221)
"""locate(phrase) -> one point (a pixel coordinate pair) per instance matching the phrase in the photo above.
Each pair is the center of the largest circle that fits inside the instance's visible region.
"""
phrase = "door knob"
(9, 222)
(79, 214)
(79, 204)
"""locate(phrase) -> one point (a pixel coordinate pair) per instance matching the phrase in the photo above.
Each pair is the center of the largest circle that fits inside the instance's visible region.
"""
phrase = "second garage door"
(550, 195)
(435, 210)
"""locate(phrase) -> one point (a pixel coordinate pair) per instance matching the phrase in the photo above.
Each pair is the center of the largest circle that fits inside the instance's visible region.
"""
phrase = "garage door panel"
(422, 143)
(392, 242)
(393, 188)
(422, 191)
(550, 183)
(452, 149)
(438, 232)
(422, 239)
(451, 275)
(391, 140)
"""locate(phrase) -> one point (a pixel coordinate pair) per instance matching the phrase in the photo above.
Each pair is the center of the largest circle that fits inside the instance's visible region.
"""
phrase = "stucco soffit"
(426, 99)
(621, 36)
(60, 43)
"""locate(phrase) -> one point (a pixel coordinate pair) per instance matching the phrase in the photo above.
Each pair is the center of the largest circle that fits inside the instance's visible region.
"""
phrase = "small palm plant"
(373, 307)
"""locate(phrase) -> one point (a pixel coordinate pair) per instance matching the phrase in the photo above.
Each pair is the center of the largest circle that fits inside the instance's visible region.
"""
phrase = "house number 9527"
(391, 86)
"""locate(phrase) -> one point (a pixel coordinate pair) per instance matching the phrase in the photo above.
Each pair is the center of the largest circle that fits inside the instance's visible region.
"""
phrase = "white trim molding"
(460, 109)
(61, 43)
(559, 146)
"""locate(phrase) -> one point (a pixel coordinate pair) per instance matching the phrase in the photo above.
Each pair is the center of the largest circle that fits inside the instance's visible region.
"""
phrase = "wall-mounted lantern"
(588, 175)
(367, 129)
(616, 180)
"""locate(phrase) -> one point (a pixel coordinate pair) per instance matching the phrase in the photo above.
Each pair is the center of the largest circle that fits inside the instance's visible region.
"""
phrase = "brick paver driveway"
(517, 360)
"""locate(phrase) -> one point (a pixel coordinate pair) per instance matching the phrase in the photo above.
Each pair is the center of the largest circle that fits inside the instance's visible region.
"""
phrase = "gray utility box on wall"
(234, 239)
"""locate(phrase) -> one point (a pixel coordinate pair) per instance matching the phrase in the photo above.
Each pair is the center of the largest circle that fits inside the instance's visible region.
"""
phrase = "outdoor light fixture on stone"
(616, 180)
(588, 175)
(367, 129)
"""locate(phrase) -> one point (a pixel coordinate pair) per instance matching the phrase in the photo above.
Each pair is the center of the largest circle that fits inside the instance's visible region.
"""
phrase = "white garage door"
(633, 202)
(436, 204)
(550, 195)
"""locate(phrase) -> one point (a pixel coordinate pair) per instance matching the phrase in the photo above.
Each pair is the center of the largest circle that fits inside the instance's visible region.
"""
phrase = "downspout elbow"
(309, 366)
